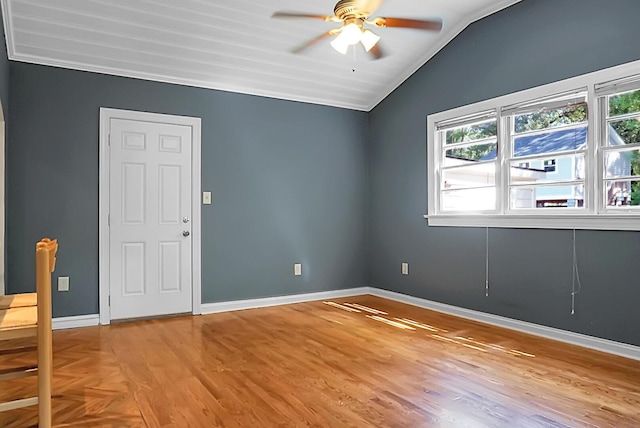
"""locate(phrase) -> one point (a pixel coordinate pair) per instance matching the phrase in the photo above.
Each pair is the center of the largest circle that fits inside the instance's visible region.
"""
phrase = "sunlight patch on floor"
(420, 325)
(366, 309)
(412, 325)
(339, 306)
(393, 323)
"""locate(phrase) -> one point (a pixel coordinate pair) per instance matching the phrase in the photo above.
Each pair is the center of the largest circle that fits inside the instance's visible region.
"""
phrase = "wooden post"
(45, 346)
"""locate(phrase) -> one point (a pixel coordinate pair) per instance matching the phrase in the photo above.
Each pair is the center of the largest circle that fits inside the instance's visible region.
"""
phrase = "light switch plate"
(405, 268)
(206, 198)
(297, 269)
(63, 283)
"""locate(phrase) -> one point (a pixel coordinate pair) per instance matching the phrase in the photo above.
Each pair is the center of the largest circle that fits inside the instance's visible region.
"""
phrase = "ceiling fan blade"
(313, 41)
(368, 6)
(302, 15)
(376, 52)
(417, 24)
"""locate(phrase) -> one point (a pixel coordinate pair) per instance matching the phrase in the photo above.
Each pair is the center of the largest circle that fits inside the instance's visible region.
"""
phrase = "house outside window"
(566, 155)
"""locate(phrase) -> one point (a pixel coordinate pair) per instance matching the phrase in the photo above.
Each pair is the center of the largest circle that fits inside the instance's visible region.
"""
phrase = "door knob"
(185, 233)
(185, 219)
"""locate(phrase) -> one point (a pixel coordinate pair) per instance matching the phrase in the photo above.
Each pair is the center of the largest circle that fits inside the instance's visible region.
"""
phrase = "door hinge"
(109, 300)
(109, 220)
(109, 140)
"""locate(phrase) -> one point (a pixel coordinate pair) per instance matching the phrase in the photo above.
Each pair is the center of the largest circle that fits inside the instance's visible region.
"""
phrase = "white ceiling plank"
(193, 56)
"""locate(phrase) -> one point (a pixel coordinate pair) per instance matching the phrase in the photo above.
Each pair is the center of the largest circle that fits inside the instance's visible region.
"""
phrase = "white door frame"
(106, 114)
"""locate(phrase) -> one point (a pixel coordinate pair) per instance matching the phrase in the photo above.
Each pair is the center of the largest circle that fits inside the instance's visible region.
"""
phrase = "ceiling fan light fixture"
(369, 39)
(339, 44)
(349, 36)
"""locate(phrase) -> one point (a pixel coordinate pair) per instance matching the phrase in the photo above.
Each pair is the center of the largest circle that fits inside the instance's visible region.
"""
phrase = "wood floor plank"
(378, 364)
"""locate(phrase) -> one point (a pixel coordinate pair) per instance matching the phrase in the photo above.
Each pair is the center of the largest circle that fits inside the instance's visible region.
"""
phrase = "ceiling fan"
(354, 15)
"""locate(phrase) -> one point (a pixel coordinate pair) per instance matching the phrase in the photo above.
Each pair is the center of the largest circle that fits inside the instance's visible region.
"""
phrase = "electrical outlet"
(63, 283)
(297, 269)
(405, 268)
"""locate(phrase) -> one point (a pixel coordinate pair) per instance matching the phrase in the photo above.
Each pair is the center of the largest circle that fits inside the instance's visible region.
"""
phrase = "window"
(468, 172)
(555, 126)
(550, 165)
(620, 110)
(560, 156)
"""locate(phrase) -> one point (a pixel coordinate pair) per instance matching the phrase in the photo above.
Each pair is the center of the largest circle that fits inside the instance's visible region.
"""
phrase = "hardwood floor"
(322, 365)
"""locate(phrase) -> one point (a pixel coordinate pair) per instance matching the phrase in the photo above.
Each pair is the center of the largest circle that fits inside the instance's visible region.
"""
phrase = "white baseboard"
(237, 305)
(609, 346)
(63, 323)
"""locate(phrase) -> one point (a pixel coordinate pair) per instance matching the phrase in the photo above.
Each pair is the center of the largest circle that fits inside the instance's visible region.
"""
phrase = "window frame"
(594, 215)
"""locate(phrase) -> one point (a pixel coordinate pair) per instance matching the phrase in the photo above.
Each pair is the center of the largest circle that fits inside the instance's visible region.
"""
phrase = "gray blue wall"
(288, 181)
(529, 44)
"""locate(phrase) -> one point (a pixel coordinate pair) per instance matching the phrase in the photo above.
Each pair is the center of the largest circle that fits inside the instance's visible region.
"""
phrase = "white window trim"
(597, 217)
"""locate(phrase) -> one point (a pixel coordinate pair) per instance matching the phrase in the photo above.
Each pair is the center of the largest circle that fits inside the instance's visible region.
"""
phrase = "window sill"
(547, 221)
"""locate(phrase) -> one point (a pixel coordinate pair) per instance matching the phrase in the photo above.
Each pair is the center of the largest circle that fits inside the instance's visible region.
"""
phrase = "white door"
(149, 218)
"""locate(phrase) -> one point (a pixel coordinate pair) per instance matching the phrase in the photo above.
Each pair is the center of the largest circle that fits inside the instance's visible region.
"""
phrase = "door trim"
(106, 114)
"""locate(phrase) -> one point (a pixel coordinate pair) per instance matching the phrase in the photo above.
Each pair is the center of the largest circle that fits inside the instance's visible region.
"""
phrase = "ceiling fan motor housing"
(347, 9)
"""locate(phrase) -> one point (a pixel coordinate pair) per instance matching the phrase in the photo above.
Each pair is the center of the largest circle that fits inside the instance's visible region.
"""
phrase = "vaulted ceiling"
(234, 45)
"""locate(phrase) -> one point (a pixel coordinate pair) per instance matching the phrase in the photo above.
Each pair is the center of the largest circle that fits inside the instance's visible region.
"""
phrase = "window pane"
(473, 132)
(628, 102)
(472, 153)
(571, 196)
(550, 142)
(482, 199)
(624, 132)
(624, 193)
(551, 118)
(622, 163)
(564, 168)
(469, 176)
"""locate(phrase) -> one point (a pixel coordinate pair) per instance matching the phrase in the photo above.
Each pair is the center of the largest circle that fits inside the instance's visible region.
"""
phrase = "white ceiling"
(232, 45)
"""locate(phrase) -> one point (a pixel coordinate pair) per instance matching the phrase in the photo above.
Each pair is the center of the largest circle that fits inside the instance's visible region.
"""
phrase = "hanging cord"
(576, 277)
(576, 285)
(486, 270)
(355, 59)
